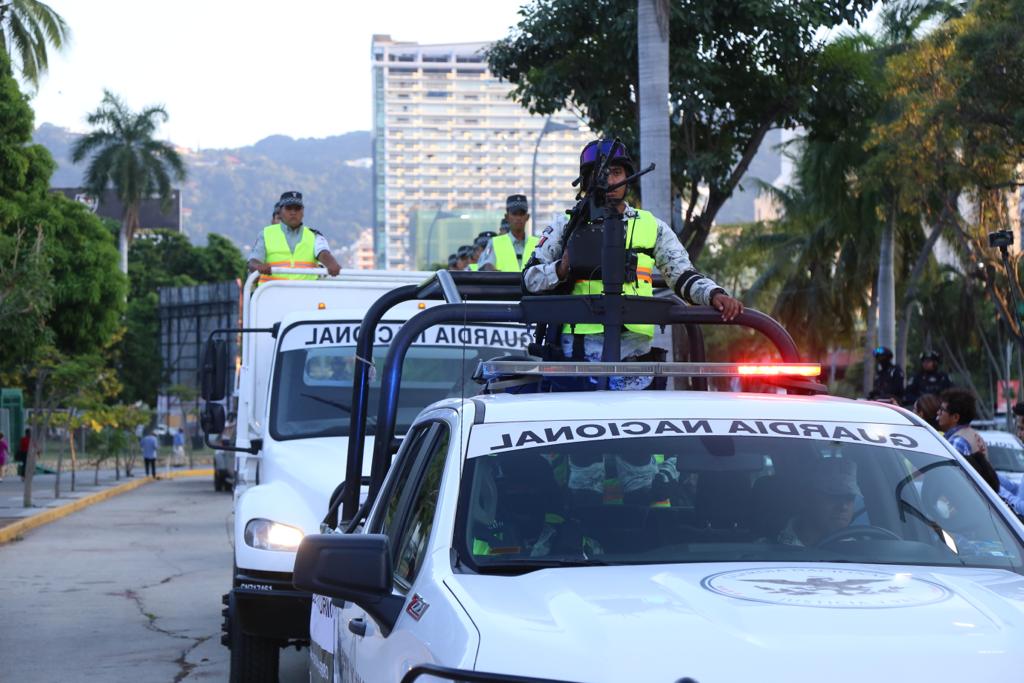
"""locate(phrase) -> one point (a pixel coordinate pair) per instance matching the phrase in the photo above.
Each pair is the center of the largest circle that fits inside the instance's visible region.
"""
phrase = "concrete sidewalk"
(15, 519)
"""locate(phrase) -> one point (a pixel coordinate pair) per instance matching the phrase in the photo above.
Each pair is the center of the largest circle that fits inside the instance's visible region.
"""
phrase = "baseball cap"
(835, 477)
(290, 198)
(517, 202)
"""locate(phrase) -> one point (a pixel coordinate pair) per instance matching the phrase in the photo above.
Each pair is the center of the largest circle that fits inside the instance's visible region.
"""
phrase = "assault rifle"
(593, 216)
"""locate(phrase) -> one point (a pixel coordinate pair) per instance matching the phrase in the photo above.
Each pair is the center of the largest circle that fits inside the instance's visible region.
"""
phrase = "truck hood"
(747, 622)
(311, 469)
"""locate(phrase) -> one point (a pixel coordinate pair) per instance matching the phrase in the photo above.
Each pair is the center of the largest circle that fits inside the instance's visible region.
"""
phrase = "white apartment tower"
(448, 143)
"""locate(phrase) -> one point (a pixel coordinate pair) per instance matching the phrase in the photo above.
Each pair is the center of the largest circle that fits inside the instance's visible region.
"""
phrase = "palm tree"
(27, 27)
(127, 158)
(655, 143)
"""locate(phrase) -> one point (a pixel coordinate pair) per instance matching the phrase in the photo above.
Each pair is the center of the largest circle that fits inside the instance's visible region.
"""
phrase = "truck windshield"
(313, 375)
(570, 493)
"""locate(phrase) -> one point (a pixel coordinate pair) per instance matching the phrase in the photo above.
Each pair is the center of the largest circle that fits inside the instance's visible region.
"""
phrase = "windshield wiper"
(531, 563)
(328, 402)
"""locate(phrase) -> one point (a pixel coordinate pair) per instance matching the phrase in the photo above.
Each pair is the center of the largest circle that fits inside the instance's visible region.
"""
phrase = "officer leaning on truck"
(291, 244)
(654, 244)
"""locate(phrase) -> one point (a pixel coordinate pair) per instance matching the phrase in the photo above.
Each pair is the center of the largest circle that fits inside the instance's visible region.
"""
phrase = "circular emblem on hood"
(826, 587)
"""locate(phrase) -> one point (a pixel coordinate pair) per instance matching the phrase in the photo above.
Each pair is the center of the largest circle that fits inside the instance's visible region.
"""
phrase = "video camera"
(1000, 239)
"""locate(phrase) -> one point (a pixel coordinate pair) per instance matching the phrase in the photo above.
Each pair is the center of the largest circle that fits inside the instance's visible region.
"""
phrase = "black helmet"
(465, 251)
(930, 354)
(596, 149)
(483, 238)
(452, 260)
(883, 353)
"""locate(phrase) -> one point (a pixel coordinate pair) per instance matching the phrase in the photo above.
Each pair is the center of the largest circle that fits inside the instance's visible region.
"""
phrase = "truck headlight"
(264, 534)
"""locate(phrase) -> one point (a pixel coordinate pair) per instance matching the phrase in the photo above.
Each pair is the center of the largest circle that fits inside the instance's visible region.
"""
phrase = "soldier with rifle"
(568, 259)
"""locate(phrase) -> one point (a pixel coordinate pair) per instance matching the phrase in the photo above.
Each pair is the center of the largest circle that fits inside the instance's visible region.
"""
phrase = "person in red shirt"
(21, 457)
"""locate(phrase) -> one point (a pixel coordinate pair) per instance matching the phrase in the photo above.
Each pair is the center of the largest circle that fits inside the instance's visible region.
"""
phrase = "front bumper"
(270, 607)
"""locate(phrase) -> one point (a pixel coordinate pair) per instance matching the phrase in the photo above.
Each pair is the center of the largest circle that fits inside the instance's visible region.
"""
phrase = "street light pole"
(441, 213)
(550, 126)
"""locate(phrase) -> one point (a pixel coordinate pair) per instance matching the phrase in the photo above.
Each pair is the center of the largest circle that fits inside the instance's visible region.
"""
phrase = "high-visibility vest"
(505, 258)
(474, 267)
(641, 235)
(278, 253)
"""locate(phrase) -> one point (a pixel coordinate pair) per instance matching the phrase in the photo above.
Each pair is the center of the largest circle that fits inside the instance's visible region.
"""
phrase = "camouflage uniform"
(672, 262)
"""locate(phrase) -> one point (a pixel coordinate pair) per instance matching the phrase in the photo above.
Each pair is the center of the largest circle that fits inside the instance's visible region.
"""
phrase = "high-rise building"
(449, 146)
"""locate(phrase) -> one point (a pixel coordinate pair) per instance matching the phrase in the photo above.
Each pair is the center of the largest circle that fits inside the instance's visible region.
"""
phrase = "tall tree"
(128, 158)
(27, 29)
(736, 71)
(652, 78)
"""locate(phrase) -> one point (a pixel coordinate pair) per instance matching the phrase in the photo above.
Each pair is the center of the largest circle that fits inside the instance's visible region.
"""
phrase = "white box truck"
(291, 394)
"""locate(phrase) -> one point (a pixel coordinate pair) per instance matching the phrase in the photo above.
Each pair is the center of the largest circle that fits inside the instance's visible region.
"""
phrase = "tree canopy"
(737, 70)
(59, 282)
(27, 29)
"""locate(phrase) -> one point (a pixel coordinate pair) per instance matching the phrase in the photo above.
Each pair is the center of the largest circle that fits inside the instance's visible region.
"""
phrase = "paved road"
(128, 589)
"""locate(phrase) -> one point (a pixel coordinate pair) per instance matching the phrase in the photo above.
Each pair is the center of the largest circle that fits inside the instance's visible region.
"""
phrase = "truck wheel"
(253, 659)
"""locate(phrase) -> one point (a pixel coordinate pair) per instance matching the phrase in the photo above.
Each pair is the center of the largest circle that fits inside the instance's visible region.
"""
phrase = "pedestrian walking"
(21, 457)
(179, 447)
(149, 445)
(3, 454)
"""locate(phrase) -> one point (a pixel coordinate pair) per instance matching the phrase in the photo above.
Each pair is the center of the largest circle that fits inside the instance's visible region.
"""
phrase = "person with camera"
(654, 244)
(928, 380)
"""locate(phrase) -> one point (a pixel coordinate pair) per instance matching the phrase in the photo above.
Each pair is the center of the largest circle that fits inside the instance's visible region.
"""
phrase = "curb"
(13, 531)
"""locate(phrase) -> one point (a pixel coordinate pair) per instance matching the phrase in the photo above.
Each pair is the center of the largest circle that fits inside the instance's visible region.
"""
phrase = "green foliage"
(737, 70)
(58, 269)
(27, 28)
(167, 259)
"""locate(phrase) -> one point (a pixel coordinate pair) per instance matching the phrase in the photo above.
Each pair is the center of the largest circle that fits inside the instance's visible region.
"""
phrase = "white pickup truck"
(292, 390)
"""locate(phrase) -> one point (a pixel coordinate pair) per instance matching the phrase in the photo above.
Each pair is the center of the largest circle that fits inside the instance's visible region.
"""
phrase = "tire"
(253, 659)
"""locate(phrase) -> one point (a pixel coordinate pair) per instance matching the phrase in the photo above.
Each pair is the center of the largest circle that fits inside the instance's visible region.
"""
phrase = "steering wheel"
(859, 532)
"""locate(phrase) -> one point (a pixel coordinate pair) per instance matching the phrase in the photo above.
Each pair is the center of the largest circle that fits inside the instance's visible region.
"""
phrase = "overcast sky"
(231, 72)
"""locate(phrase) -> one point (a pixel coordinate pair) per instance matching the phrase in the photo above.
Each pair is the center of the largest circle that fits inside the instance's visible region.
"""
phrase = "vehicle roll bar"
(572, 309)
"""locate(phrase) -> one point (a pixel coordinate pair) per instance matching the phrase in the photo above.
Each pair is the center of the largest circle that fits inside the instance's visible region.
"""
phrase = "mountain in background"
(232, 191)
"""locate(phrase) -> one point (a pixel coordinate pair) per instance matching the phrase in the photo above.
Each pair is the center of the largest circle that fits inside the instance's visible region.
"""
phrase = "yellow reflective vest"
(279, 255)
(641, 235)
(505, 258)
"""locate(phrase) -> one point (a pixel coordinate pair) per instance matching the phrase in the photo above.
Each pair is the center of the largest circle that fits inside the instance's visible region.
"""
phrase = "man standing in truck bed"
(291, 244)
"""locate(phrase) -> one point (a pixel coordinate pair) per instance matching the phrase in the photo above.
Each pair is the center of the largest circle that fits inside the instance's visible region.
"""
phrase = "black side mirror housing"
(215, 370)
(212, 419)
(353, 567)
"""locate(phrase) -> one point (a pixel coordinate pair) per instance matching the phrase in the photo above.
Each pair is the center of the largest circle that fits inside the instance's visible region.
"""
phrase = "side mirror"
(213, 418)
(215, 370)
(353, 567)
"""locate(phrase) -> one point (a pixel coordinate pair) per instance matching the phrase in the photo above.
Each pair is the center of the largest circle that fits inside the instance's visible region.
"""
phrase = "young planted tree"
(126, 156)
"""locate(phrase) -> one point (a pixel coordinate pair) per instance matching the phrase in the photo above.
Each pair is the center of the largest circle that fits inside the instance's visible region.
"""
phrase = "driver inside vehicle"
(827, 506)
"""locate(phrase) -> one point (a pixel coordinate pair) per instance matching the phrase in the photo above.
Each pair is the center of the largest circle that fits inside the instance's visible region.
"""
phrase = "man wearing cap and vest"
(509, 252)
(290, 244)
(654, 244)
